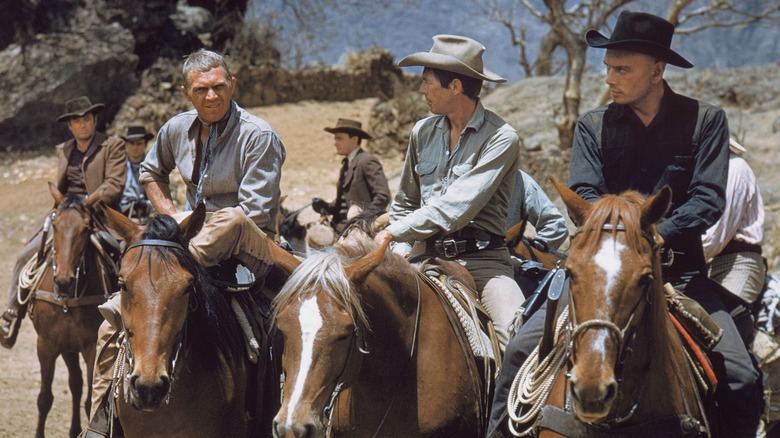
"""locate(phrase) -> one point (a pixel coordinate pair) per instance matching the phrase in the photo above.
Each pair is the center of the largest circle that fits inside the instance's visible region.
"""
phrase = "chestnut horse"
(369, 350)
(64, 303)
(627, 371)
(187, 370)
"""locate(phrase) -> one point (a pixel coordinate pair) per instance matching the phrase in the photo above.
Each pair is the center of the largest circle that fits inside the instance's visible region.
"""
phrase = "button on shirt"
(246, 164)
(442, 191)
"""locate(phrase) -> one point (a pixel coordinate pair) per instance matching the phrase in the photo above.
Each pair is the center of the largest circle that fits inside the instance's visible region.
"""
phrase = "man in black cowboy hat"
(458, 176)
(90, 162)
(362, 182)
(647, 137)
(135, 203)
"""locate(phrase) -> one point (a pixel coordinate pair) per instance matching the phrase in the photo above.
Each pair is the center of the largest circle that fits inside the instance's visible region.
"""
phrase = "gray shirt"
(245, 170)
(529, 201)
(441, 191)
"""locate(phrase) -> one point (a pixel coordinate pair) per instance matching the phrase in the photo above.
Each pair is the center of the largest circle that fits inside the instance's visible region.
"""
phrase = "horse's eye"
(646, 281)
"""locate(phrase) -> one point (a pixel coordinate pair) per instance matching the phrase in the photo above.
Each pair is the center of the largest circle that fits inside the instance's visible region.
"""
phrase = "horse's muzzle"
(149, 395)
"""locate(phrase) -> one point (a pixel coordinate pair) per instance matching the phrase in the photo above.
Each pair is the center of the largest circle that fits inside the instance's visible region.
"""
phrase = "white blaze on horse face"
(311, 322)
(609, 260)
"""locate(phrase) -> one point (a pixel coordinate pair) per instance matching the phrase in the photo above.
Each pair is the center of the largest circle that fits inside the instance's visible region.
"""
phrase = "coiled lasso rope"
(32, 273)
(534, 382)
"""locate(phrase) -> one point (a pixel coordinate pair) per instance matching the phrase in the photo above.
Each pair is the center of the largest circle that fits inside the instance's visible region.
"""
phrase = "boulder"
(53, 68)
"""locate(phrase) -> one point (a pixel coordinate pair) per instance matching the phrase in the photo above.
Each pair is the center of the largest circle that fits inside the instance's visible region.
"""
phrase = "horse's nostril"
(611, 392)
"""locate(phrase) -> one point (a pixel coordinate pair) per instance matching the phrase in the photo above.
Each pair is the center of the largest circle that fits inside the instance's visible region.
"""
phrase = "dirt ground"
(310, 170)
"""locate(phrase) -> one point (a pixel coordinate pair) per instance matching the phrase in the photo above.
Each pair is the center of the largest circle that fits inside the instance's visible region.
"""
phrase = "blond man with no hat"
(458, 176)
(361, 184)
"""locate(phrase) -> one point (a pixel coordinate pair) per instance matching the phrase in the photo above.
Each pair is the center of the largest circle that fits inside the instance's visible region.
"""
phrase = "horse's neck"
(651, 372)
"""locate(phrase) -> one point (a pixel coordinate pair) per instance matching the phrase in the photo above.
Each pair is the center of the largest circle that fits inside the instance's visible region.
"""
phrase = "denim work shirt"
(441, 191)
(245, 169)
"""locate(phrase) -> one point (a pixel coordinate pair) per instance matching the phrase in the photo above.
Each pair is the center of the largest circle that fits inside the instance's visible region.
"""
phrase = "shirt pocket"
(428, 181)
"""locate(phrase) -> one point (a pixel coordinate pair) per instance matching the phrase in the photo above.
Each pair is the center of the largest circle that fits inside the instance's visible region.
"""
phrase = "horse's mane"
(324, 270)
(211, 324)
(625, 208)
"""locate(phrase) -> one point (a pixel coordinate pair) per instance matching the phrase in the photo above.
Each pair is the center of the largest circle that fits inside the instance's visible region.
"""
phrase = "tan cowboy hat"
(136, 133)
(78, 107)
(456, 54)
(643, 33)
(350, 127)
(735, 147)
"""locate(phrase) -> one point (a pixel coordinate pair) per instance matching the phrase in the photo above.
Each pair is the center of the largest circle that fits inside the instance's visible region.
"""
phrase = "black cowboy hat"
(350, 127)
(136, 133)
(78, 107)
(643, 33)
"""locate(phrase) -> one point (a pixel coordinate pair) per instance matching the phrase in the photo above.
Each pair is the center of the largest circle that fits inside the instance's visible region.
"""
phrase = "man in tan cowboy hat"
(458, 176)
(649, 137)
(362, 182)
(135, 204)
(90, 162)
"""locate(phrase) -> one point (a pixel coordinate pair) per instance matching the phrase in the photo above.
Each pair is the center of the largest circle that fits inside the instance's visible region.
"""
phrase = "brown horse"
(187, 370)
(369, 350)
(627, 371)
(64, 307)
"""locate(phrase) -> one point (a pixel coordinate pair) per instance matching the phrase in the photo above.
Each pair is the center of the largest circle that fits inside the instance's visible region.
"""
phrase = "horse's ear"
(282, 259)
(358, 271)
(55, 193)
(126, 228)
(93, 198)
(193, 223)
(578, 208)
(515, 233)
(655, 207)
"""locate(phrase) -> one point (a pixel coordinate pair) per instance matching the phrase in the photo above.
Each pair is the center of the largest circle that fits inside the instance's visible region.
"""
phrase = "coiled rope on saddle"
(534, 381)
(32, 272)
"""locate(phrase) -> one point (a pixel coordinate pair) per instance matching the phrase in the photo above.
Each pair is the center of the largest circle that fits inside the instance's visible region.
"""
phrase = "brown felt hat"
(455, 54)
(350, 127)
(642, 33)
(78, 107)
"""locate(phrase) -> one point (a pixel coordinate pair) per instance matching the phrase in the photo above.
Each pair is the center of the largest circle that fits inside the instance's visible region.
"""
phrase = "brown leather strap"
(86, 300)
(566, 424)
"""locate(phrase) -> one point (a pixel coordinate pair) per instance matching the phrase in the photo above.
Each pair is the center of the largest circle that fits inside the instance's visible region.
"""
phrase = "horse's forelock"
(324, 271)
(613, 210)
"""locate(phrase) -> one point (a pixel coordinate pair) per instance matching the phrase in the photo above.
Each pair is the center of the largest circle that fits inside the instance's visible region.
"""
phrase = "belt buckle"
(667, 257)
(449, 247)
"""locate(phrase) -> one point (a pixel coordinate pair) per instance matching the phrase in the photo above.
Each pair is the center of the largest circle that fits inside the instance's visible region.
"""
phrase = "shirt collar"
(668, 105)
(474, 123)
(351, 156)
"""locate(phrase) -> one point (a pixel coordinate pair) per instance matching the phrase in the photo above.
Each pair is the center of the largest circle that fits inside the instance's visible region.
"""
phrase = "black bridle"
(180, 338)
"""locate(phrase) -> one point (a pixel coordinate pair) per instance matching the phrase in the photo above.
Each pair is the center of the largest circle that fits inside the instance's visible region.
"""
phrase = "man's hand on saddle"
(382, 238)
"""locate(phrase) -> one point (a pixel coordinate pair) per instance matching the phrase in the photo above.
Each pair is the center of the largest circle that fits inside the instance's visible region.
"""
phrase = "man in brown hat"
(135, 204)
(362, 182)
(458, 176)
(648, 137)
(90, 162)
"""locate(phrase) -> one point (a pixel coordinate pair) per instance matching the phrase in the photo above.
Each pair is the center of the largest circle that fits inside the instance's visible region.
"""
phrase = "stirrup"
(9, 327)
